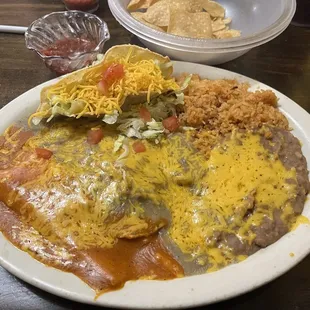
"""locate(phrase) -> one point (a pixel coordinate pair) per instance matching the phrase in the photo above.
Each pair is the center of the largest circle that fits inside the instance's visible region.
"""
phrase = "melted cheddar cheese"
(76, 199)
(206, 197)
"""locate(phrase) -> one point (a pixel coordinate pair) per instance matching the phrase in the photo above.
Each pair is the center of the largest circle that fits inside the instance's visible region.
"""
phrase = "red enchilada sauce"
(102, 269)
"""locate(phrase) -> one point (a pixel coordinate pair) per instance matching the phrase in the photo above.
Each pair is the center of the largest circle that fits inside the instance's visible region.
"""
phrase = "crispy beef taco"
(127, 72)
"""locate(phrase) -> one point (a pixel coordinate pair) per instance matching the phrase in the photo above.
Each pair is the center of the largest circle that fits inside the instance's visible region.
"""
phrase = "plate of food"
(144, 183)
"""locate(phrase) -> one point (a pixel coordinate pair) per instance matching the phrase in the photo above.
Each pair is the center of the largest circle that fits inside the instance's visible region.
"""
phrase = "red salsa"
(68, 47)
(82, 5)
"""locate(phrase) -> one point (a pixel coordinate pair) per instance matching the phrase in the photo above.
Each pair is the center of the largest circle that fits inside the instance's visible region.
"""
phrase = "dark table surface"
(283, 64)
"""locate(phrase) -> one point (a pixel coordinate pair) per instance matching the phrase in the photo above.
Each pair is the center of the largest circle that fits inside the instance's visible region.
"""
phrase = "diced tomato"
(138, 147)
(103, 87)
(94, 136)
(113, 73)
(44, 153)
(145, 114)
(171, 123)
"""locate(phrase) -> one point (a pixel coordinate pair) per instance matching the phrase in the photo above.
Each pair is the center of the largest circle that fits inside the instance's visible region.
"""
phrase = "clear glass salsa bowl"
(58, 26)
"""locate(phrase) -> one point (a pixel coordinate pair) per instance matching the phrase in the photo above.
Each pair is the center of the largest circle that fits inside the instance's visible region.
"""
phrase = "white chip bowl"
(259, 21)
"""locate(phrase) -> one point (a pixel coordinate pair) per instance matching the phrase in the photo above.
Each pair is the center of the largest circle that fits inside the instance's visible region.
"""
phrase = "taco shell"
(77, 94)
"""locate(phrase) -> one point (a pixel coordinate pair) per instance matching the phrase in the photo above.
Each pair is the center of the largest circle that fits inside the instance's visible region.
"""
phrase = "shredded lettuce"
(36, 120)
(121, 143)
(50, 118)
(133, 133)
(135, 123)
(58, 107)
(118, 143)
(152, 134)
(111, 118)
(98, 60)
(186, 82)
(179, 99)
(135, 127)
(59, 110)
(185, 128)
(164, 106)
(164, 67)
(153, 125)
(131, 125)
(77, 106)
(154, 130)
(125, 147)
(159, 110)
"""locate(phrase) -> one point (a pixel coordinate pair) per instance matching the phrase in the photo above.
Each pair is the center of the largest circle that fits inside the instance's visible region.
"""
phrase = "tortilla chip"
(134, 5)
(224, 29)
(139, 17)
(192, 6)
(158, 14)
(218, 24)
(227, 20)
(194, 25)
(227, 34)
(213, 8)
(183, 22)
(140, 4)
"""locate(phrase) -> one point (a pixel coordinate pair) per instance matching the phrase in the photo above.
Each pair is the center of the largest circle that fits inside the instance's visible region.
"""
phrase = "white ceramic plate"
(258, 269)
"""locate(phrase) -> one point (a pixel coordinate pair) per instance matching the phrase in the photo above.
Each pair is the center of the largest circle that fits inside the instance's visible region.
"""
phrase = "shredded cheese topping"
(83, 98)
